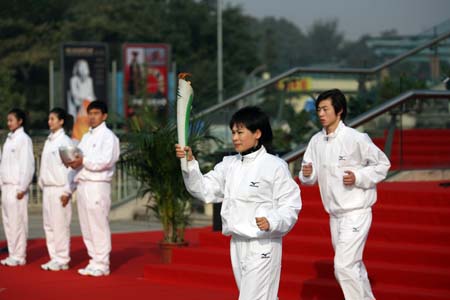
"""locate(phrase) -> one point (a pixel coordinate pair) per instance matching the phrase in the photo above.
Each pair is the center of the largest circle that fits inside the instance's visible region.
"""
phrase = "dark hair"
(20, 115)
(97, 104)
(253, 118)
(338, 101)
(61, 114)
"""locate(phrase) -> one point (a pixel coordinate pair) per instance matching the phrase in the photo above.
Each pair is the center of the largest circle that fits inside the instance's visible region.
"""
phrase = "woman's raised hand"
(184, 152)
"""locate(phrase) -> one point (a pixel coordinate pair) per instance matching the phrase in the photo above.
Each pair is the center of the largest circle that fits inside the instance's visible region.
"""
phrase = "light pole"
(219, 53)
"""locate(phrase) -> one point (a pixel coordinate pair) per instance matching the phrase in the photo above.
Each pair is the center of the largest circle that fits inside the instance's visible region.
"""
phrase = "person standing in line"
(260, 202)
(94, 171)
(53, 178)
(347, 165)
(16, 173)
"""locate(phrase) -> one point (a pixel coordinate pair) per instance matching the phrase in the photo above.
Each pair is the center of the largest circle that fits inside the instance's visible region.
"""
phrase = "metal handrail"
(375, 112)
(362, 71)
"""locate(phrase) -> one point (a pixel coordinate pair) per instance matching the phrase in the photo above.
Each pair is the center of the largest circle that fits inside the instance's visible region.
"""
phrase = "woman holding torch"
(260, 202)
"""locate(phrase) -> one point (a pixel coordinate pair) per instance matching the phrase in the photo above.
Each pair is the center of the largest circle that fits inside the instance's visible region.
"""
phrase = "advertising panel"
(84, 72)
(146, 69)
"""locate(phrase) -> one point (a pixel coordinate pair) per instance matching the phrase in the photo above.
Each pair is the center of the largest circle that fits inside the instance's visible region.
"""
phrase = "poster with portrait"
(145, 70)
(85, 67)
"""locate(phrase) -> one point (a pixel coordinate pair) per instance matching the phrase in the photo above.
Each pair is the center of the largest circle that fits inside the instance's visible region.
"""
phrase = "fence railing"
(416, 109)
(123, 185)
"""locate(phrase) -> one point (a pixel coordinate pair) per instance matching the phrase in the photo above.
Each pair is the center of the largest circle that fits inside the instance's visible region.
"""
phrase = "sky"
(355, 17)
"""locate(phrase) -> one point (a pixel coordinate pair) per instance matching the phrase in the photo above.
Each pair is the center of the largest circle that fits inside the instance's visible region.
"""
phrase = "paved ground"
(35, 224)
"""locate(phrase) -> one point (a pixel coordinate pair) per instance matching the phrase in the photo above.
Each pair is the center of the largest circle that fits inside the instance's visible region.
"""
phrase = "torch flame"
(184, 75)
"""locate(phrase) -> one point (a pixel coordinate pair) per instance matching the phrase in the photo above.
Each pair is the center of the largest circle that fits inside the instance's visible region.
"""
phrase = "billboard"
(84, 69)
(146, 69)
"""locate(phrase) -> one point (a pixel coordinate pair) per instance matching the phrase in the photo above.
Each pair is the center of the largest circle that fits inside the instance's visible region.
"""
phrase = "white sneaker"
(85, 271)
(90, 271)
(98, 272)
(11, 262)
(46, 266)
(55, 266)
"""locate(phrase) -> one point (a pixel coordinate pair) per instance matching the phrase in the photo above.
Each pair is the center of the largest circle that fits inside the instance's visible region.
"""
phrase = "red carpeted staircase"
(419, 149)
(407, 254)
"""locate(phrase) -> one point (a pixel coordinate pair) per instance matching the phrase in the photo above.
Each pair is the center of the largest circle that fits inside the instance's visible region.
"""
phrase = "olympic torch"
(185, 94)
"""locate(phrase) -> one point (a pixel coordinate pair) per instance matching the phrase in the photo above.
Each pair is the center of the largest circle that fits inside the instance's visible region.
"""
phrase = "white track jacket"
(331, 155)
(17, 163)
(101, 150)
(52, 171)
(255, 185)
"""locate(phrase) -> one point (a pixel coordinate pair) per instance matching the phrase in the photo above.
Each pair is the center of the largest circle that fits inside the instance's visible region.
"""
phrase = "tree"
(8, 97)
(28, 38)
(323, 42)
(31, 33)
(356, 54)
(280, 43)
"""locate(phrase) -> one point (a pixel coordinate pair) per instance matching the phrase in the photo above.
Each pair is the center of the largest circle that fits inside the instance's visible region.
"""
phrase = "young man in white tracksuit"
(347, 165)
(260, 202)
(94, 171)
(16, 174)
(53, 179)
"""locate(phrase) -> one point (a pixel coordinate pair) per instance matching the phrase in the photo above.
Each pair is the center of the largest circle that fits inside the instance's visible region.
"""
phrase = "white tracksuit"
(53, 178)
(255, 185)
(101, 150)
(349, 207)
(16, 174)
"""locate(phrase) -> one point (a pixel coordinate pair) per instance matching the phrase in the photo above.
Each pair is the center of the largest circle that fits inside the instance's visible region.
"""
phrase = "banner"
(294, 84)
(146, 77)
(85, 67)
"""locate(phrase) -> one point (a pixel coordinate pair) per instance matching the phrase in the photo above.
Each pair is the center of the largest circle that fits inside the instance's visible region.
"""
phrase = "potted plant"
(150, 158)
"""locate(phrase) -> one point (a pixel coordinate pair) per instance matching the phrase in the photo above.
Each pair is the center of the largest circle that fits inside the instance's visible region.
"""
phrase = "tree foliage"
(9, 98)
(31, 33)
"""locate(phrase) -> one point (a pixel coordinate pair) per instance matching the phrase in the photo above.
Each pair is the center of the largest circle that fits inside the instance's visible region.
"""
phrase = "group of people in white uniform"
(260, 199)
(89, 175)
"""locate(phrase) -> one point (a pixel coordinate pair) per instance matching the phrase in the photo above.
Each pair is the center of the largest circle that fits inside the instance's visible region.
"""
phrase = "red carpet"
(131, 252)
(419, 149)
(407, 256)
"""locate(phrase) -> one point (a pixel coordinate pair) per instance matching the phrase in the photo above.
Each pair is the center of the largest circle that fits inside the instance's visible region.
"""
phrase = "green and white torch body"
(185, 95)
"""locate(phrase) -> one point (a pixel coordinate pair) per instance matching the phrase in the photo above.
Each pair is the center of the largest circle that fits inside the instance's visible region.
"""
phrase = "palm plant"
(150, 158)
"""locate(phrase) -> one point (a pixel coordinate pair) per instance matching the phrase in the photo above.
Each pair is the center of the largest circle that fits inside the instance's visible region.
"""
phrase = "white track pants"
(15, 221)
(94, 201)
(256, 266)
(56, 224)
(349, 234)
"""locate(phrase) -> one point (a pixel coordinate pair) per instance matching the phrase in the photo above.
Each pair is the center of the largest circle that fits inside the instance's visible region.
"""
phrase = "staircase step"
(419, 149)
(413, 215)
(424, 141)
(418, 194)
(404, 253)
(291, 286)
(402, 214)
(310, 266)
(317, 288)
(428, 254)
(381, 231)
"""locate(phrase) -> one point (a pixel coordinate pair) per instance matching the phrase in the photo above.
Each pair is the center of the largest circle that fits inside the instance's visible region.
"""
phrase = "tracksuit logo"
(265, 255)
(254, 184)
(341, 157)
